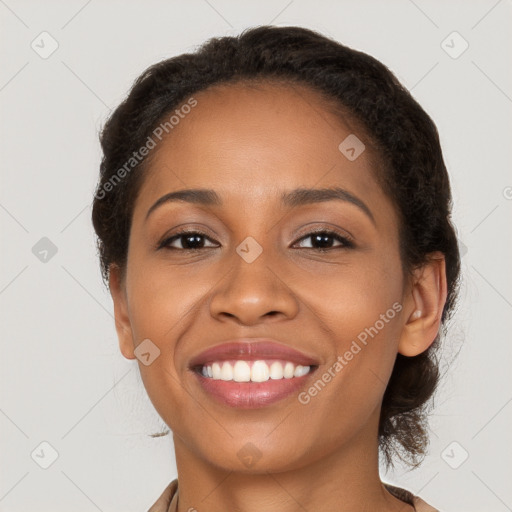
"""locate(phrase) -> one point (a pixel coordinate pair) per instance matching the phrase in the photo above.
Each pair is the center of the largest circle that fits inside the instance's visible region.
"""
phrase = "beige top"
(168, 501)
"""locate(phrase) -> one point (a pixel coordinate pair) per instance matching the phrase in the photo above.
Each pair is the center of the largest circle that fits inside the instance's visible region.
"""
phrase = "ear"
(424, 306)
(122, 318)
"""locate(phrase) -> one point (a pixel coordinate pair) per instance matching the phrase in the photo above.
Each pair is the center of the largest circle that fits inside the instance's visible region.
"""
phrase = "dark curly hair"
(410, 170)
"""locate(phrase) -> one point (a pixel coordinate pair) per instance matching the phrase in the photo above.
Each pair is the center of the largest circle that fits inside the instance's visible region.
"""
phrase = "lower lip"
(252, 395)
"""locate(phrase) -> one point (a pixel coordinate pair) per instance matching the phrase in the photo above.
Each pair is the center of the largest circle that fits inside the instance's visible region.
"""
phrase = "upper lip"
(251, 349)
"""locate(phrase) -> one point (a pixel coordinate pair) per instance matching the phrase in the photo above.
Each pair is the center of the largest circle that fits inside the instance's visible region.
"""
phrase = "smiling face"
(315, 293)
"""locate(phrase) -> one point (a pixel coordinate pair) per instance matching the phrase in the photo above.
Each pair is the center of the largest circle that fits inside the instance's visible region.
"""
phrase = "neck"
(344, 480)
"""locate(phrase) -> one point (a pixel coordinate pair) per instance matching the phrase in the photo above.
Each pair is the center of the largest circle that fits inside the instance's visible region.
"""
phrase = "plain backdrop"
(63, 381)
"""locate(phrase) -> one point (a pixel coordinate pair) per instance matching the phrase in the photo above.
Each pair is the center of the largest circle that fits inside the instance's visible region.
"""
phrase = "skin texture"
(250, 144)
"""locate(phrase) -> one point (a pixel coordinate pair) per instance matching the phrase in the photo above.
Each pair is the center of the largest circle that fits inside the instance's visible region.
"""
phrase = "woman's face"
(340, 306)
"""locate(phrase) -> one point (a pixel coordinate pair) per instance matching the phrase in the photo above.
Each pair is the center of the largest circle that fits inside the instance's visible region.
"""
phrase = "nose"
(252, 293)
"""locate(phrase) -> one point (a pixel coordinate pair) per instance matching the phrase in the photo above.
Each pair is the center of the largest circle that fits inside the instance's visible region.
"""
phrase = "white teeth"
(276, 370)
(300, 371)
(226, 372)
(260, 371)
(288, 370)
(216, 371)
(241, 372)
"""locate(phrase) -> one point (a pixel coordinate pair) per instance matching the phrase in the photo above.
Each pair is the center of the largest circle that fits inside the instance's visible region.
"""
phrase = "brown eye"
(324, 240)
(189, 241)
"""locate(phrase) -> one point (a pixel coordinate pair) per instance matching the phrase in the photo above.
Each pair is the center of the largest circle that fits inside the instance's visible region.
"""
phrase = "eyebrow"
(292, 198)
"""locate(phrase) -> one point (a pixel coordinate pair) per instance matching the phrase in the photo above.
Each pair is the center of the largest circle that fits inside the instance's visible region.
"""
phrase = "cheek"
(163, 299)
(354, 296)
(360, 305)
(165, 303)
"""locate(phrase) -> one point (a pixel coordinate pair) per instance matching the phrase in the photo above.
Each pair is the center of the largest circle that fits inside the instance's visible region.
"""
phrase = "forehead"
(252, 141)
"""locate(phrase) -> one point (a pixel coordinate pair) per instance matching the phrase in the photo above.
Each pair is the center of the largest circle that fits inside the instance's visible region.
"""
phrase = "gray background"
(62, 377)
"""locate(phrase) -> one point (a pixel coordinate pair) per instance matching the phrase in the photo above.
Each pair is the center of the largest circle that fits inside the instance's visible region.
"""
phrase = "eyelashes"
(192, 239)
(184, 234)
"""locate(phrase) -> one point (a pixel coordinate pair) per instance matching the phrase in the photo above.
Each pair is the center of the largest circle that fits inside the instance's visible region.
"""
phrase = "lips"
(251, 349)
(252, 395)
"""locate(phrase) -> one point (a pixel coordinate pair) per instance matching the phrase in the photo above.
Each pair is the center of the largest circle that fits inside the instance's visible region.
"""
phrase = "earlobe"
(121, 316)
(425, 306)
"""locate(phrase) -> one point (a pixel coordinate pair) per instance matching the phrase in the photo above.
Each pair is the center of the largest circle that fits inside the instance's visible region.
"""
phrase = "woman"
(273, 222)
